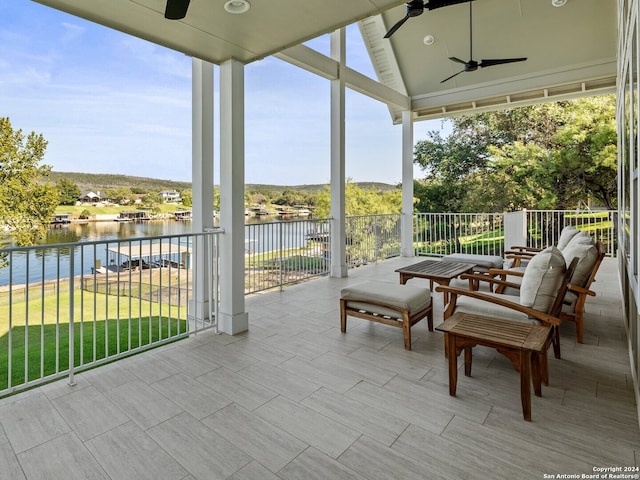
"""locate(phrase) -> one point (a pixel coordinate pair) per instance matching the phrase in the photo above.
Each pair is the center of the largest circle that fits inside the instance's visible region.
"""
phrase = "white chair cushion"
(542, 278)
(587, 256)
(480, 307)
(566, 235)
(581, 238)
(482, 262)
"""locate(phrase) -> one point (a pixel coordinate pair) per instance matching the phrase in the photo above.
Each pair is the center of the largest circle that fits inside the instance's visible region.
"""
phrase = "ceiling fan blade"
(499, 61)
(456, 59)
(454, 75)
(176, 9)
(393, 29)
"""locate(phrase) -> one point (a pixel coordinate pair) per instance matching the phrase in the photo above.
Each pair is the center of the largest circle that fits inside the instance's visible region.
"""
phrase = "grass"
(104, 325)
(92, 341)
(76, 210)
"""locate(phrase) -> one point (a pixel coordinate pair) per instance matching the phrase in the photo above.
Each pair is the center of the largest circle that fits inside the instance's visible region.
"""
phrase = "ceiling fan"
(472, 65)
(416, 7)
(176, 9)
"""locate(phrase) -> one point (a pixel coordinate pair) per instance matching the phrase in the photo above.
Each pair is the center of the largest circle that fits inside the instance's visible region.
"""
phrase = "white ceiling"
(210, 33)
(571, 50)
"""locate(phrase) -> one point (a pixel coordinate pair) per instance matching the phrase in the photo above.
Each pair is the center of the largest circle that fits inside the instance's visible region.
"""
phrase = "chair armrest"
(581, 290)
(478, 277)
(515, 254)
(519, 248)
(499, 271)
(454, 292)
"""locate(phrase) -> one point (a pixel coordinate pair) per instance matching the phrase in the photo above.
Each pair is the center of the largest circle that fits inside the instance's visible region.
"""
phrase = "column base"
(233, 324)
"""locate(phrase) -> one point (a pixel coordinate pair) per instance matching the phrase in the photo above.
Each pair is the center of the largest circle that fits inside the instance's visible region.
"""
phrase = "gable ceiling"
(570, 50)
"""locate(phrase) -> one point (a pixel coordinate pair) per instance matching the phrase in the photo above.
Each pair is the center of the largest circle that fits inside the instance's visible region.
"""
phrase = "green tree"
(152, 199)
(69, 192)
(27, 199)
(120, 195)
(187, 197)
(361, 201)
(549, 156)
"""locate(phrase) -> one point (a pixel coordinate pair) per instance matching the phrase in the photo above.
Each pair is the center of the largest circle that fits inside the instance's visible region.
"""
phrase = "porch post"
(202, 178)
(407, 184)
(338, 230)
(233, 317)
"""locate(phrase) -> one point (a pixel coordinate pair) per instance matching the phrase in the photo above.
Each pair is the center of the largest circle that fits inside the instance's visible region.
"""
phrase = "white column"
(233, 317)
(202, 177)
(407, 184)
(338, 251)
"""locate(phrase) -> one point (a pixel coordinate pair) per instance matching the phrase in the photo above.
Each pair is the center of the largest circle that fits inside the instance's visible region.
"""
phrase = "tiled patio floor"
(294, 398)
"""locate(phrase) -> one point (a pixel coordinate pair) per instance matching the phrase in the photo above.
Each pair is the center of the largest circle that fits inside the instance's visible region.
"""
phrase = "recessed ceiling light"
(558, 3)
(237, 6)
(428, 40)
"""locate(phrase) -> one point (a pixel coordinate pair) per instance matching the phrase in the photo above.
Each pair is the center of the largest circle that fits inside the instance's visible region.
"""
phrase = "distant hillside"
(101, 181)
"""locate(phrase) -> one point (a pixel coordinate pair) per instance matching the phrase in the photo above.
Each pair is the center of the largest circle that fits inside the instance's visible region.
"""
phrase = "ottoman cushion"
(405, 297)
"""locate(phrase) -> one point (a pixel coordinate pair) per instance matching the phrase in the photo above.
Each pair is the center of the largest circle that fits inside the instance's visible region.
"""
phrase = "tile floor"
(294, 398)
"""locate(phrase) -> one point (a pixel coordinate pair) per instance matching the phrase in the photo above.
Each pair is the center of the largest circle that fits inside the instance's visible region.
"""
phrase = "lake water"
(261, 234)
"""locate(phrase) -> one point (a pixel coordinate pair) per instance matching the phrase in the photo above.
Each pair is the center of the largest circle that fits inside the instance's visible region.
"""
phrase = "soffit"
(210, 33)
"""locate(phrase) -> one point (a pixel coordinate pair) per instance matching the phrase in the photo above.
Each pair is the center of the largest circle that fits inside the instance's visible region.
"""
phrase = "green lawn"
(108, 319)
(92, 341)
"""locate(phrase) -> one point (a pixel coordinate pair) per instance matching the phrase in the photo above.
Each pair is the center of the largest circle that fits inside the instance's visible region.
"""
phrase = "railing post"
(72, 380)
(280, 253)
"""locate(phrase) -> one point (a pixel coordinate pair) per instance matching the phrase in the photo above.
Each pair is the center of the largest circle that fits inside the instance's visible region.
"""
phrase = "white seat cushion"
(483, 262)
(405, 297)
(480, 307)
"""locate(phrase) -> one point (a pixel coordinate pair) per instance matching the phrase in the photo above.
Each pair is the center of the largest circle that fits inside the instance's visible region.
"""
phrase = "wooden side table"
(524, 344)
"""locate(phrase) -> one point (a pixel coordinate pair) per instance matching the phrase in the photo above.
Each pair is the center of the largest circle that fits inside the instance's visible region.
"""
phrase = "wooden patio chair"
(589, 259)
(520, 255)
(543, 289)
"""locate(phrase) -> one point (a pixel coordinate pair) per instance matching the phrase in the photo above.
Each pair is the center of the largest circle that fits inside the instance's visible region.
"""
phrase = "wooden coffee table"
(524, 344)
(441, 272)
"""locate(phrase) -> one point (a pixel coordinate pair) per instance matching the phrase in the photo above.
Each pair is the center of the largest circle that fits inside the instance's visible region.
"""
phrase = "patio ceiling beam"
(547, 86)
(315, 62)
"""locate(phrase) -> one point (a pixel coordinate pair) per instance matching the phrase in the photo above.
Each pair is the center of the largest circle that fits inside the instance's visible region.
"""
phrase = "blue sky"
(110, 103)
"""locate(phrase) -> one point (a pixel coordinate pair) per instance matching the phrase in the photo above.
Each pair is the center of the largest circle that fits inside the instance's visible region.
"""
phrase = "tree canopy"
(361, 201)
(69, 192)
(549, 156)
(27, 199)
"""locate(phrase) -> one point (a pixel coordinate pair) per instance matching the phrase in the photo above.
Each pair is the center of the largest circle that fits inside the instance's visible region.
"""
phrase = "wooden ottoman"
(396, 305)
(482, 262)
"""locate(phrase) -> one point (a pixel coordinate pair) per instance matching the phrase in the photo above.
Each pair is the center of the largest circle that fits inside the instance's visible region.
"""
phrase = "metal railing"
(285, 252)
(371, 238)
(438, 234)
(67, 307)
(544, 226)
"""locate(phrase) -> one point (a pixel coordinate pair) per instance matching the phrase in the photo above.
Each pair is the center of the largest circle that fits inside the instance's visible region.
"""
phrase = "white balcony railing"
(68, 307)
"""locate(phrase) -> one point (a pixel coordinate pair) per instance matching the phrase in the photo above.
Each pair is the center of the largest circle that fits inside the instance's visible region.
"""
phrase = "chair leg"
(406, 329)
(579, 327)
(556, 342)
(343, 316)
(430, 319)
